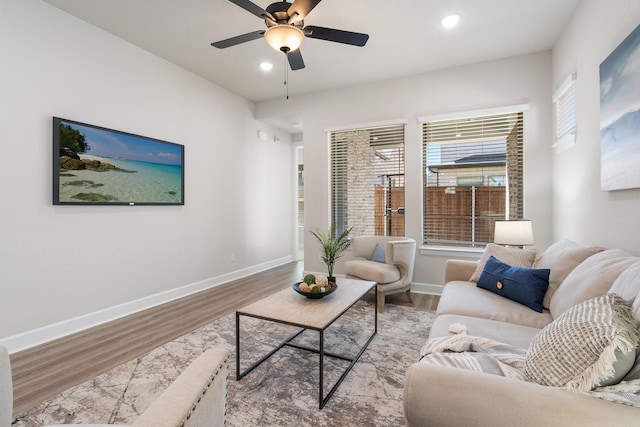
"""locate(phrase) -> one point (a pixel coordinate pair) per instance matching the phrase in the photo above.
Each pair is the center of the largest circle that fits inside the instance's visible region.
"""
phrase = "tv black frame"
(114, 132)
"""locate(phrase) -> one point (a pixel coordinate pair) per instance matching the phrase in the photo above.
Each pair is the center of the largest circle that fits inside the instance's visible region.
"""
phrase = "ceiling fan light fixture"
(284, 38)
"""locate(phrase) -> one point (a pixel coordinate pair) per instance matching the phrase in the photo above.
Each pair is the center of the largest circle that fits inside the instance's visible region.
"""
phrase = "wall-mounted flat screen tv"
(93, 165)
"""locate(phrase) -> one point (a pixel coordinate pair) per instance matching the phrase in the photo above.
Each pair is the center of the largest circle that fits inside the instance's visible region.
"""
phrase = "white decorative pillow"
(594, 276)
(591, 344)
(627, 285)
(512, 256)
(561, 258)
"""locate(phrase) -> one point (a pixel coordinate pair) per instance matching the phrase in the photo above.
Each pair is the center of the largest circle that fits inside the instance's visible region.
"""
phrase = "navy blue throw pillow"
(524, 285)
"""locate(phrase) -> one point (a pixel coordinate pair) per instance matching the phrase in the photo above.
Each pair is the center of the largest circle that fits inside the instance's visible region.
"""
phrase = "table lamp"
(513, 233)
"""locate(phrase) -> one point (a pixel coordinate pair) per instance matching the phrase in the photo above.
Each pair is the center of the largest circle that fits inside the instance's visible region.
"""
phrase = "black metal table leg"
(321, 379)
(237, 346)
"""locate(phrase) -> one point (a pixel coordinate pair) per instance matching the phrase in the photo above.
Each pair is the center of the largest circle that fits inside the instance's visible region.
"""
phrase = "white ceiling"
(405, 38)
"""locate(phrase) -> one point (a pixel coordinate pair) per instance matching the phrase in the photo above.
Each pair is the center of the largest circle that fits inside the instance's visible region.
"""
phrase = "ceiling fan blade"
(295, 60)
(253, 8)
(222, 44)
(338, 36)
(302, 8)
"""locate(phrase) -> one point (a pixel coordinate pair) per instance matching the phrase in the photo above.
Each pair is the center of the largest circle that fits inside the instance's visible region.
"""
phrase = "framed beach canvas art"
(620, 116)
(93, 165)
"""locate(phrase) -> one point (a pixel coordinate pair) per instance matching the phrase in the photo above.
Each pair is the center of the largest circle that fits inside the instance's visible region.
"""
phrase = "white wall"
(525, 79)
(89, 263)
(580, 210)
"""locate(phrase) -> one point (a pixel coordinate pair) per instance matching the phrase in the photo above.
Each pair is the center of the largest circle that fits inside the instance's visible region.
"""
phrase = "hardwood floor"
(41, 372)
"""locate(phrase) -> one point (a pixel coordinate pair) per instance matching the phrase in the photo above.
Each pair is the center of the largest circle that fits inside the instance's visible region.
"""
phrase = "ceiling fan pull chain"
(286, 72)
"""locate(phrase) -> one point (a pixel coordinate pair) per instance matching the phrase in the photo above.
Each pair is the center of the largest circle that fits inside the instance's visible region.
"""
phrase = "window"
(565, 113)
(473, 176)
(367, 180)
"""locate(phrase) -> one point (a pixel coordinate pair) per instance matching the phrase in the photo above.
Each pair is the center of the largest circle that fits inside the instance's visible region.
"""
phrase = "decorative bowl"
(314, 295)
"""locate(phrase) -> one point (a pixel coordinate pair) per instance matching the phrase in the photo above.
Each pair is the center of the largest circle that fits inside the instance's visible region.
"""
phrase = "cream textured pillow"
(579, 349)
(512, 256)
(561, 258)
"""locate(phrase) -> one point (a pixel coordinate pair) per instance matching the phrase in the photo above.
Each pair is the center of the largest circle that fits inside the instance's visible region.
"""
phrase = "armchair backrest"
(363, 246)
(6, 389)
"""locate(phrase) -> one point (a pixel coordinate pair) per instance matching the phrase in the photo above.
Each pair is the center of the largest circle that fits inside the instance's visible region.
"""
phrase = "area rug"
(283, 391)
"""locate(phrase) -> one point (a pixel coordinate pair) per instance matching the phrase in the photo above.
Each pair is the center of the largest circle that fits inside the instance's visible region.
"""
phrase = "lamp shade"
(284, 37)
(513, 233)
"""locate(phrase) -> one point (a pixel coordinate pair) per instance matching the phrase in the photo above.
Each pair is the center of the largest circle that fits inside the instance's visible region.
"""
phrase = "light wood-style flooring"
(41, 372)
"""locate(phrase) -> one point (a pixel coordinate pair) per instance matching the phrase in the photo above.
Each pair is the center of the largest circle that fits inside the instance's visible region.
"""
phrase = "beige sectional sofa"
(449, 396)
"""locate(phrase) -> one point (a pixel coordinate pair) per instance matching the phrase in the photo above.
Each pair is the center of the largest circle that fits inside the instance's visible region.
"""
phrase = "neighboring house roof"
(474, 161)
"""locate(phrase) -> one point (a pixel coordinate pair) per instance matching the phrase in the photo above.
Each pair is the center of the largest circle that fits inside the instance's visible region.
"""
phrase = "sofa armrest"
(445, 396)
(459, 270)
(197, 398)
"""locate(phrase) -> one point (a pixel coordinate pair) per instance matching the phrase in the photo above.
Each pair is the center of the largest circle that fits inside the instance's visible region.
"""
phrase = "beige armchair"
(394, 275)
(197, 398)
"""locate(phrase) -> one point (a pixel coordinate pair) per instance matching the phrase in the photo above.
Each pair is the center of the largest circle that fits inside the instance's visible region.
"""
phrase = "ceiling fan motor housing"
(279, 11)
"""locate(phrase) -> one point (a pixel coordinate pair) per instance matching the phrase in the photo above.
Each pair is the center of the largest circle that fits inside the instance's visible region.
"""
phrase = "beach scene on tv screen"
(103, 166)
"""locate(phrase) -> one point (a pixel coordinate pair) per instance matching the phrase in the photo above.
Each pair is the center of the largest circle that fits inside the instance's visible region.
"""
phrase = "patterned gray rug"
(283, 391)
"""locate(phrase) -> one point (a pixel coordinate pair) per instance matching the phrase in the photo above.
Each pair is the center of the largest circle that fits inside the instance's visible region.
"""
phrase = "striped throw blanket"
(475, 354)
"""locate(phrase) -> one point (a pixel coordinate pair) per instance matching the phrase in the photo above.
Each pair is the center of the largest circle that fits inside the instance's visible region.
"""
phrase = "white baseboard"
(54, 331)
(425, 288)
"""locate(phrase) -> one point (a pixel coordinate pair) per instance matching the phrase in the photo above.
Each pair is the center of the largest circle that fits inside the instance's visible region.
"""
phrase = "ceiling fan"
(285, 29)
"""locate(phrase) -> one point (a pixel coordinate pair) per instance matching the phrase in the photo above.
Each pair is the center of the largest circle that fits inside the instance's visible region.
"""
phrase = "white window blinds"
(473, 175)
(564, 100)
(367, 180)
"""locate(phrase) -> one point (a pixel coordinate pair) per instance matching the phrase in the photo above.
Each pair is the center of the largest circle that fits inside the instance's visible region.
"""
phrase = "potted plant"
(332, 246)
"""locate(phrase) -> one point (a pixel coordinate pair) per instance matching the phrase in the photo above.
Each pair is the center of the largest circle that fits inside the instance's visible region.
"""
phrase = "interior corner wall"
(67, 262)
(581, 211)
(518, 80)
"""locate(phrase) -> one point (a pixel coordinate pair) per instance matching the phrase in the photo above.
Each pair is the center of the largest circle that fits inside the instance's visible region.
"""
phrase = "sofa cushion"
(371, 270)
(512, 256)
(508, 333)
(466, 299)
(593, 277)
(524, 285)
(379, 254)
(581, 349)
(561, 258)
(627, 285)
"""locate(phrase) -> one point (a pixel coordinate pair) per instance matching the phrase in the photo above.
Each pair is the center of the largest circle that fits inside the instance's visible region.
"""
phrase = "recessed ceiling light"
(266, 66)
(451, 21)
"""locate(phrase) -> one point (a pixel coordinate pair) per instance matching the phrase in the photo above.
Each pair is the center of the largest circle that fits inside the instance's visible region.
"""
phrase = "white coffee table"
(290, 308)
